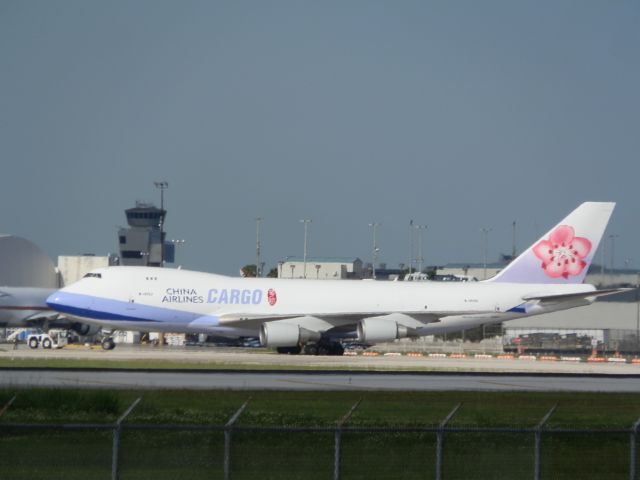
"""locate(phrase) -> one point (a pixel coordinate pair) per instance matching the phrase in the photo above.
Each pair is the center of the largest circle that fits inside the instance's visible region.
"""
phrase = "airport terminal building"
(321, 268)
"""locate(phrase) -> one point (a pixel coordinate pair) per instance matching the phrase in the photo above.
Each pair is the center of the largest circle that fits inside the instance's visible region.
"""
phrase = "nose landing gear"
(107, 340)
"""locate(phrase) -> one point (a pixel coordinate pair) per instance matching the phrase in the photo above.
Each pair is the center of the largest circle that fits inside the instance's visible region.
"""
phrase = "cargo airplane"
(26, 307)
(317, 314)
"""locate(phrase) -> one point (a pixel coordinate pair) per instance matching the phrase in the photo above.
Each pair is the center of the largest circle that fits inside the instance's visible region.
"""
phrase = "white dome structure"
(23, 264)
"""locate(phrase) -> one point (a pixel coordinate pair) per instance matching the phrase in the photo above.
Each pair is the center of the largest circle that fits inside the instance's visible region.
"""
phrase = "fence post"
(116, 439)
(440, 440)
(337, 453)
(538, 432)
(227, 439)
(338, 440)
(633, 454)
(7, 405)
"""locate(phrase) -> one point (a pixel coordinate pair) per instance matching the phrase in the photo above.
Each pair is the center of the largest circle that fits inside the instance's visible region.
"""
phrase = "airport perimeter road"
(21, 378)
(225, 357)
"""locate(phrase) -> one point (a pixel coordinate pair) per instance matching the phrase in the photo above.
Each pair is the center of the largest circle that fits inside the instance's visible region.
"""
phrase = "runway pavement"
(238, 380)
(257, 358)
(255, 369)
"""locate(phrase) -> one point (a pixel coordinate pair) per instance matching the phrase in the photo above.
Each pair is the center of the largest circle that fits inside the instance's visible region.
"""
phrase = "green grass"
(163, 454)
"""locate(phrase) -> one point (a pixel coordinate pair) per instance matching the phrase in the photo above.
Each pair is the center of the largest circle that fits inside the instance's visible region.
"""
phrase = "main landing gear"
(320, 348)
(289, 350)
(324, 348)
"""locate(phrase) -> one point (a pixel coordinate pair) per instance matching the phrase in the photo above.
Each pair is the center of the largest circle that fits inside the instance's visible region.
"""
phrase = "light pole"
(162, 185)
(638, 313)
(420, 228)
(306, 222)
(293, 267)
(410, 247)
(485, 231)
(613, 237)
(602, 253)
(375, 251)
(258, 269)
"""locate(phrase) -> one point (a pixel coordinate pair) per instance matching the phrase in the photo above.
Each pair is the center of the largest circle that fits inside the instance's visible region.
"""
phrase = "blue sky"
(458, 115)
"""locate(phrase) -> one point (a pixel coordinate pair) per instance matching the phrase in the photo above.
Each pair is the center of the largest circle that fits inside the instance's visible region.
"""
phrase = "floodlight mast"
(306, 223)
(162, 185)
(258, 269)
(376, 249)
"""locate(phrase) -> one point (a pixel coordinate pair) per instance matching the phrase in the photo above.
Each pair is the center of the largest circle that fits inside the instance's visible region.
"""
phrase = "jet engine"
(85, 330)
(285, 335)
(375, 330)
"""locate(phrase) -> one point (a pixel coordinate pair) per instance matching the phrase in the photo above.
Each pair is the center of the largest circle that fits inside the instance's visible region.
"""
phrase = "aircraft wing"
(565, 297)
(323, 322)
(43, 315)
(24, 316)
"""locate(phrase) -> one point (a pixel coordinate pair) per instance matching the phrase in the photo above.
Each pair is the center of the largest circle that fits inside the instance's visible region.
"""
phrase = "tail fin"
(564, 253)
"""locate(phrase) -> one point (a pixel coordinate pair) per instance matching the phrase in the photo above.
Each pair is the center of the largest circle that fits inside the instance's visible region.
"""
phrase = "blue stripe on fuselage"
(519, 309)
(106, 309)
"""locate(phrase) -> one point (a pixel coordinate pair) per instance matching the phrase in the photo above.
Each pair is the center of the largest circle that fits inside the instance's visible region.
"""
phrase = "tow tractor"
(52, 339)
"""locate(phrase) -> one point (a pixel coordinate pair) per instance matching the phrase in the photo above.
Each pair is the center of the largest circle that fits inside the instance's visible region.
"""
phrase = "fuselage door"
(131, 304)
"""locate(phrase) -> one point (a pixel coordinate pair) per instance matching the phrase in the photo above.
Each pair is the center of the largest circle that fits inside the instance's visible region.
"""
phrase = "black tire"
(46, 343)
(108, 344)
(289, 350)
(333, 348)
(311, 349)
(338, 349)
(33, 342)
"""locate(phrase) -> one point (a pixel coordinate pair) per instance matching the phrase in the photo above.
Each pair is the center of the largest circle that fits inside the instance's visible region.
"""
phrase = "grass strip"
(164, 454)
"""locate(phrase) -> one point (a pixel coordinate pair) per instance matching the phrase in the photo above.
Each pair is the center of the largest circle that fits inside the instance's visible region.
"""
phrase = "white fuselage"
(160, 299)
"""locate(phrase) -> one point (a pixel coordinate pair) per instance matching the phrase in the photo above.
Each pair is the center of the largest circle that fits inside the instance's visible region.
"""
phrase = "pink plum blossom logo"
(563, 253)
(272, 298)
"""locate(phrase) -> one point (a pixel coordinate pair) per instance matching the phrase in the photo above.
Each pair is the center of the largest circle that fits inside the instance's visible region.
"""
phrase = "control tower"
(142, 243)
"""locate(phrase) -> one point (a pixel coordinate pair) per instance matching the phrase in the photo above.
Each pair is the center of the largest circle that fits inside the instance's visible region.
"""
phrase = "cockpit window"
(94, 275)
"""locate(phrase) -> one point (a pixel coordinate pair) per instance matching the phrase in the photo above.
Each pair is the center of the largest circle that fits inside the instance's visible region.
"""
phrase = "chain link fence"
(124, 450)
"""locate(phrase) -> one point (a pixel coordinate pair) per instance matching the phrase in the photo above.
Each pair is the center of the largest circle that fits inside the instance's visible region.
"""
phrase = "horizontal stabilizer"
(575, 296)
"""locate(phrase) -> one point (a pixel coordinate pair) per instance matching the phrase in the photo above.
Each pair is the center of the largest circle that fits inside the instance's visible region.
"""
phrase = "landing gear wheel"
(289, 350)
(108, 344)
(46, 343)
(33, 343)
(332, 348)
(311, 349)
(338, 349)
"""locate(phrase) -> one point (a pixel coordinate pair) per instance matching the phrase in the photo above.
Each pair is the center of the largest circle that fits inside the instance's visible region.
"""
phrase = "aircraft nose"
(55, 299)
(68, 302)
(61, 300)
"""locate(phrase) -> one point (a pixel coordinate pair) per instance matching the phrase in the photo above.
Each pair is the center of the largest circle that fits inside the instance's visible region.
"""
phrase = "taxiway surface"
(226, 368)
(238, 380)
(259, 359)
